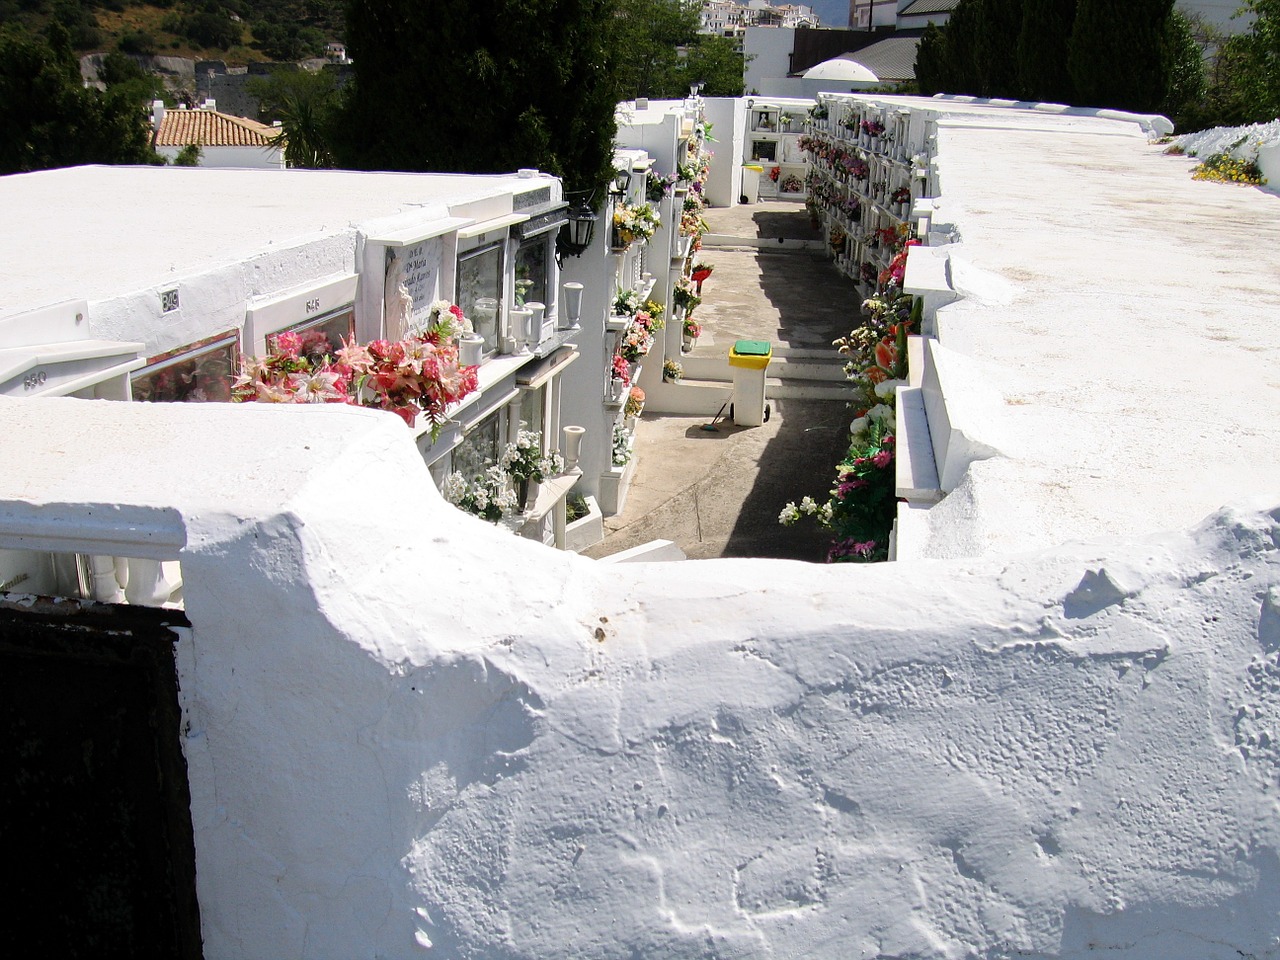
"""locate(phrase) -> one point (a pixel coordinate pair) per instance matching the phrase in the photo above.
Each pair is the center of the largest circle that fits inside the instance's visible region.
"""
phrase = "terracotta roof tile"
(208, 128)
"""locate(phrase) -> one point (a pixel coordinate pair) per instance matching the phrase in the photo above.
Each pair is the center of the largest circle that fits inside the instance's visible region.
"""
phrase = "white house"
(224, 140)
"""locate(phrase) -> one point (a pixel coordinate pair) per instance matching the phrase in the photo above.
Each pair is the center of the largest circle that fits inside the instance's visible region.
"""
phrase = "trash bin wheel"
(768, 409)
(731, 411)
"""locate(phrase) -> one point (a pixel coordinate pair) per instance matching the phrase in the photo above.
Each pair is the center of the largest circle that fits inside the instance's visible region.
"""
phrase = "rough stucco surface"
(1124, 315)
(524, 754)
(410, 735)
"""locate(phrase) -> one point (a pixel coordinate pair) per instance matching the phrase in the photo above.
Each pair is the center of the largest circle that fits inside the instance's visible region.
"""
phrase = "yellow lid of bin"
(753, 166)
(752, 354)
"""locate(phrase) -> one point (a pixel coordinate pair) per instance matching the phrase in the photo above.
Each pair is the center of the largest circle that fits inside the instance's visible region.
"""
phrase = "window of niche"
(322, 336)
(197, 373)
(480, 291)
(533, 415)
(481, 447)
(532, 275)
(764, 150)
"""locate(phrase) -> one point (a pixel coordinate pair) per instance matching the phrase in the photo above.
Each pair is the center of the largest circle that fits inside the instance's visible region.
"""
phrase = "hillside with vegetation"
(236, 31)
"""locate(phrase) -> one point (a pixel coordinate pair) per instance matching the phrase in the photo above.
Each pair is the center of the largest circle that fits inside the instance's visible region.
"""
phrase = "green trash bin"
(750, 362)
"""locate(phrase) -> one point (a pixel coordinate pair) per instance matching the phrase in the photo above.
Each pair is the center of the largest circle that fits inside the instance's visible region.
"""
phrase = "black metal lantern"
(575, 236)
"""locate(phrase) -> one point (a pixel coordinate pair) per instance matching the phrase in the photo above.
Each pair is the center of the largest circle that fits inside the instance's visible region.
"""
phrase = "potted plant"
(632, 223)
(527, 465)
(488, 496)
(634, 405)
(672, 371)
(691, 332)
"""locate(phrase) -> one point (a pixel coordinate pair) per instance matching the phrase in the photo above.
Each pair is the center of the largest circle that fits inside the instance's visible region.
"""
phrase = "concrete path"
(718, 493)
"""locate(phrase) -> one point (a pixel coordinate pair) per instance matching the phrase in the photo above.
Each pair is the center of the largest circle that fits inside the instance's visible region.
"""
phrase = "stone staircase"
(794, 373)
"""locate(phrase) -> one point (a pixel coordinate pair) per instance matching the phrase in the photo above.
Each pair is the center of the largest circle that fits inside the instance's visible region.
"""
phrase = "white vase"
(572, 305)
(471, 350)
(571, 449)
(534, 332)
(520, 318)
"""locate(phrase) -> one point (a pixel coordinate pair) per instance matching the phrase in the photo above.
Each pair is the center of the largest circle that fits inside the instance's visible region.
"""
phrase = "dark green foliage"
(306, 105)
(188, 156)
(999, 22)
(137, 42)
(960, 61)
(49, 119)
(1139, 56)
(714, 61)
(1042, 50)
(1248, 80)
(519, 83)
(1117, 55)
(210, 28)
(1185, 58)
(648, 33)
(931, 61)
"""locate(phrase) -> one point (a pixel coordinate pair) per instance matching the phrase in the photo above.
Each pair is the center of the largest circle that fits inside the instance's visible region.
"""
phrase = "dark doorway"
(95, 822)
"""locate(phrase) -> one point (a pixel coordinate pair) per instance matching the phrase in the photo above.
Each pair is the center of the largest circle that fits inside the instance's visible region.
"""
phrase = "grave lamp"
(575, 236)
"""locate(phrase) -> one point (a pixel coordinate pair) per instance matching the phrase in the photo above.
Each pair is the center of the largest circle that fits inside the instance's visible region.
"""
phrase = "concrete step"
(829, 368)
(815, 366)
(775, 387)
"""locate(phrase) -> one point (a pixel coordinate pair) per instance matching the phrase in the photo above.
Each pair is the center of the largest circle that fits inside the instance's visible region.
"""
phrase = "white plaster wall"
(214, 301)
(583, 391)
(724, 181)
(410, 734)
(768, 53)
(267, 158)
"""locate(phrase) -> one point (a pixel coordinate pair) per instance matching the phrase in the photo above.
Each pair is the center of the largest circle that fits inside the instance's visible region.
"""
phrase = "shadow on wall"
(1177, 930)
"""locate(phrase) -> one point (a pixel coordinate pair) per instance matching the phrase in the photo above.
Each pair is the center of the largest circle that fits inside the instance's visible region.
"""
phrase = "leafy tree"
(212, 28)
(519, 83)
(48, 118)
(138, 42)
(649, 35)
(1117, 55)
(1186, 84)
(716, 62)
(1042, 50)
(306, 105)
(1250, 84)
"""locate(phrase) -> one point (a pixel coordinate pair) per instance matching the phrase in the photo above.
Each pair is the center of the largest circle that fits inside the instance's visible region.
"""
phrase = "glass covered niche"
(199, 373)
(480, 291)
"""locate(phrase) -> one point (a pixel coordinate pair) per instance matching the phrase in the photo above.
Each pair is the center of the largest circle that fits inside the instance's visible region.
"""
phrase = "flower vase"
(572, 447)
(527, 493)
(688, 343)
(616, 389)
(471, 350)
(520, 322)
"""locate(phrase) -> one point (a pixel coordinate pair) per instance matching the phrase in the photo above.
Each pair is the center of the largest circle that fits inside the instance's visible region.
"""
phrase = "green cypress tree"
(931, 61)
(1042, 50)
(1117, 54)
(963, 36)
(448, 86)
(999, 22)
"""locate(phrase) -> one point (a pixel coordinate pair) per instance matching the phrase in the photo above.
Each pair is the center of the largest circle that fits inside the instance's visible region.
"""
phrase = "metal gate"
(95, 822)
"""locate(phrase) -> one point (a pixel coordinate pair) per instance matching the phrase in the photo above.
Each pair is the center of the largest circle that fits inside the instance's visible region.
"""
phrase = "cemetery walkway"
(718, 494)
